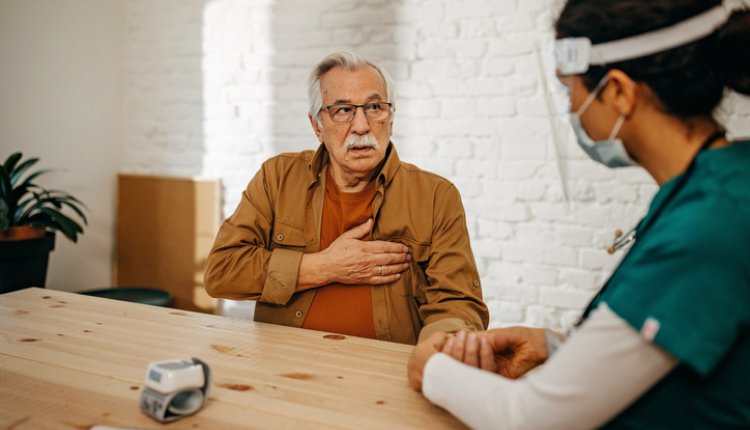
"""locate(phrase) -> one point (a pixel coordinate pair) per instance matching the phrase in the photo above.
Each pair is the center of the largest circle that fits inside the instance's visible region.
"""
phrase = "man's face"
(360, 86)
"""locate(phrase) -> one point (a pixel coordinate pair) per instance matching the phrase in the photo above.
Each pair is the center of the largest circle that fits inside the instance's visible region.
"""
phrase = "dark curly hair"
(688, 80)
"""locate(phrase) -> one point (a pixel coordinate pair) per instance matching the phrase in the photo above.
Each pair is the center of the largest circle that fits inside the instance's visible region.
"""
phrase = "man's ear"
(621, 92)
(316, 127)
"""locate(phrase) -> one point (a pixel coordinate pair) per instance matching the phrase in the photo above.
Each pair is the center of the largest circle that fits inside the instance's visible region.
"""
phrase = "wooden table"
(73, 361)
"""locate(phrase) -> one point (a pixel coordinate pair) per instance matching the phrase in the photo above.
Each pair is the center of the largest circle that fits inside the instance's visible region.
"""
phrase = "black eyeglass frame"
(389, 111)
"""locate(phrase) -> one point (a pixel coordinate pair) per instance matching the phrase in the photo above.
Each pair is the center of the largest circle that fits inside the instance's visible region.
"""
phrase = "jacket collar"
(392, 163)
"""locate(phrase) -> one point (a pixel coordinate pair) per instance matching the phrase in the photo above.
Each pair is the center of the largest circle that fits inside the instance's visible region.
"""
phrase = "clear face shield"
(556, 87)
(558, 100)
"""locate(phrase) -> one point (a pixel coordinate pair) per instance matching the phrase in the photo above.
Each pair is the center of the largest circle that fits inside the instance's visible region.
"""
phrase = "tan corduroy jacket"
(258, 250)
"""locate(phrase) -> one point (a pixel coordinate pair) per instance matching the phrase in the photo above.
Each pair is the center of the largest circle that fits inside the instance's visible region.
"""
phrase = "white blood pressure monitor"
(175, 388)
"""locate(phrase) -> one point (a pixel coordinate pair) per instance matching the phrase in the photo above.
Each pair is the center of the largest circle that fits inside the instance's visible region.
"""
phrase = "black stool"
(148, 296)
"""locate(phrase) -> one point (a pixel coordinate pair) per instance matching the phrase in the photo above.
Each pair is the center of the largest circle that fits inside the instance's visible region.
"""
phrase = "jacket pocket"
(286, 236)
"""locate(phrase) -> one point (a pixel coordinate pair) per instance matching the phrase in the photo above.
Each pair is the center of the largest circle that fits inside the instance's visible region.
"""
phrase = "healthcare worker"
(666, 342)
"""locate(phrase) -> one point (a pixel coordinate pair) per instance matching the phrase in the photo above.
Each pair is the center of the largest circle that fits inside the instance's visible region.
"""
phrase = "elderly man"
(349, 239)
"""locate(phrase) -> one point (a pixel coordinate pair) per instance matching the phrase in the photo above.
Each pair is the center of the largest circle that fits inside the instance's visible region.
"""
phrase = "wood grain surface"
(74, 361)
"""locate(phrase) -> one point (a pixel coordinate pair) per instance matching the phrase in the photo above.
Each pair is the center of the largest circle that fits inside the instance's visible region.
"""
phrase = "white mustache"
(359, 141)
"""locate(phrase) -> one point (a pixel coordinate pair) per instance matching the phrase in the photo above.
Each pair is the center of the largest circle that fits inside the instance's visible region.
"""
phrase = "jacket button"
(476, 283)
(298, 314)
(280, 237)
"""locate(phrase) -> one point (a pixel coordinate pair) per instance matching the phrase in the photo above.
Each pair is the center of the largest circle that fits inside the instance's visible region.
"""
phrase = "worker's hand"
(352, 260)
(515, 350)
(419, 356)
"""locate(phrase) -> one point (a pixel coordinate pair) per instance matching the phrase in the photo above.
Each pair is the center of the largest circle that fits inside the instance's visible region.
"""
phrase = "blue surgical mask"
(610, 152)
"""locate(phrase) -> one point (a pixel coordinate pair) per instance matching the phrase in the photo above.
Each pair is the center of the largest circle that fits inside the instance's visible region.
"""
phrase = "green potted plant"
(29, 217)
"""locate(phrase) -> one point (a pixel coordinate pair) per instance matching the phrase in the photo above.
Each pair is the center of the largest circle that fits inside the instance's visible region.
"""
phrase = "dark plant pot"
(23, 263)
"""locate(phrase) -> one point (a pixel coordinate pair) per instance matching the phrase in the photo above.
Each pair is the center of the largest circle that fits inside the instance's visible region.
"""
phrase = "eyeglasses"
(342, 113)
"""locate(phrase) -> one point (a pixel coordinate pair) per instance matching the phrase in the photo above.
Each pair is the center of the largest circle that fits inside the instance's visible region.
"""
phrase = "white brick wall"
(215, 88)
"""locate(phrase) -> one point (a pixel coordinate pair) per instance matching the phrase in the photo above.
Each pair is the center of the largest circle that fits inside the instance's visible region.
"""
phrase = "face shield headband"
(574, 55)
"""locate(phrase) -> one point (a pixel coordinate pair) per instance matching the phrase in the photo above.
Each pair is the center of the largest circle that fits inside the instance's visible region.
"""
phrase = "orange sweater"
(340, 308)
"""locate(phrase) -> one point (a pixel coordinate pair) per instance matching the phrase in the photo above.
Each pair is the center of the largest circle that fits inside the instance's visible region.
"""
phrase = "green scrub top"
(685, 285)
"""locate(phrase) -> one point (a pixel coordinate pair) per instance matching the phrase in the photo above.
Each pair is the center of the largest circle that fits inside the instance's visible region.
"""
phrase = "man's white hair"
(348, 61)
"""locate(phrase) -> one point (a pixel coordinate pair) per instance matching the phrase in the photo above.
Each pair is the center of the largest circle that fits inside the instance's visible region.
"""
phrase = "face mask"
(610, 152)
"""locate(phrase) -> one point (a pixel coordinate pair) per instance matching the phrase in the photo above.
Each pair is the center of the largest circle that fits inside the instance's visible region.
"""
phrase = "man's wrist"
(310, 275)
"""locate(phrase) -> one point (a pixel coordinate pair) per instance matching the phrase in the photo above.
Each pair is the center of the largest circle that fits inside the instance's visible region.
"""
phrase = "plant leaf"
(37, 218)
(68, 227)
(22, 218)
(20, 211)
(42, 220)
(6, 190)
(62, 194)
(31, 177)
(62, 219)
(21, 169)
(44, 200)
(76, 209)
(4, 219)
(10, 162)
